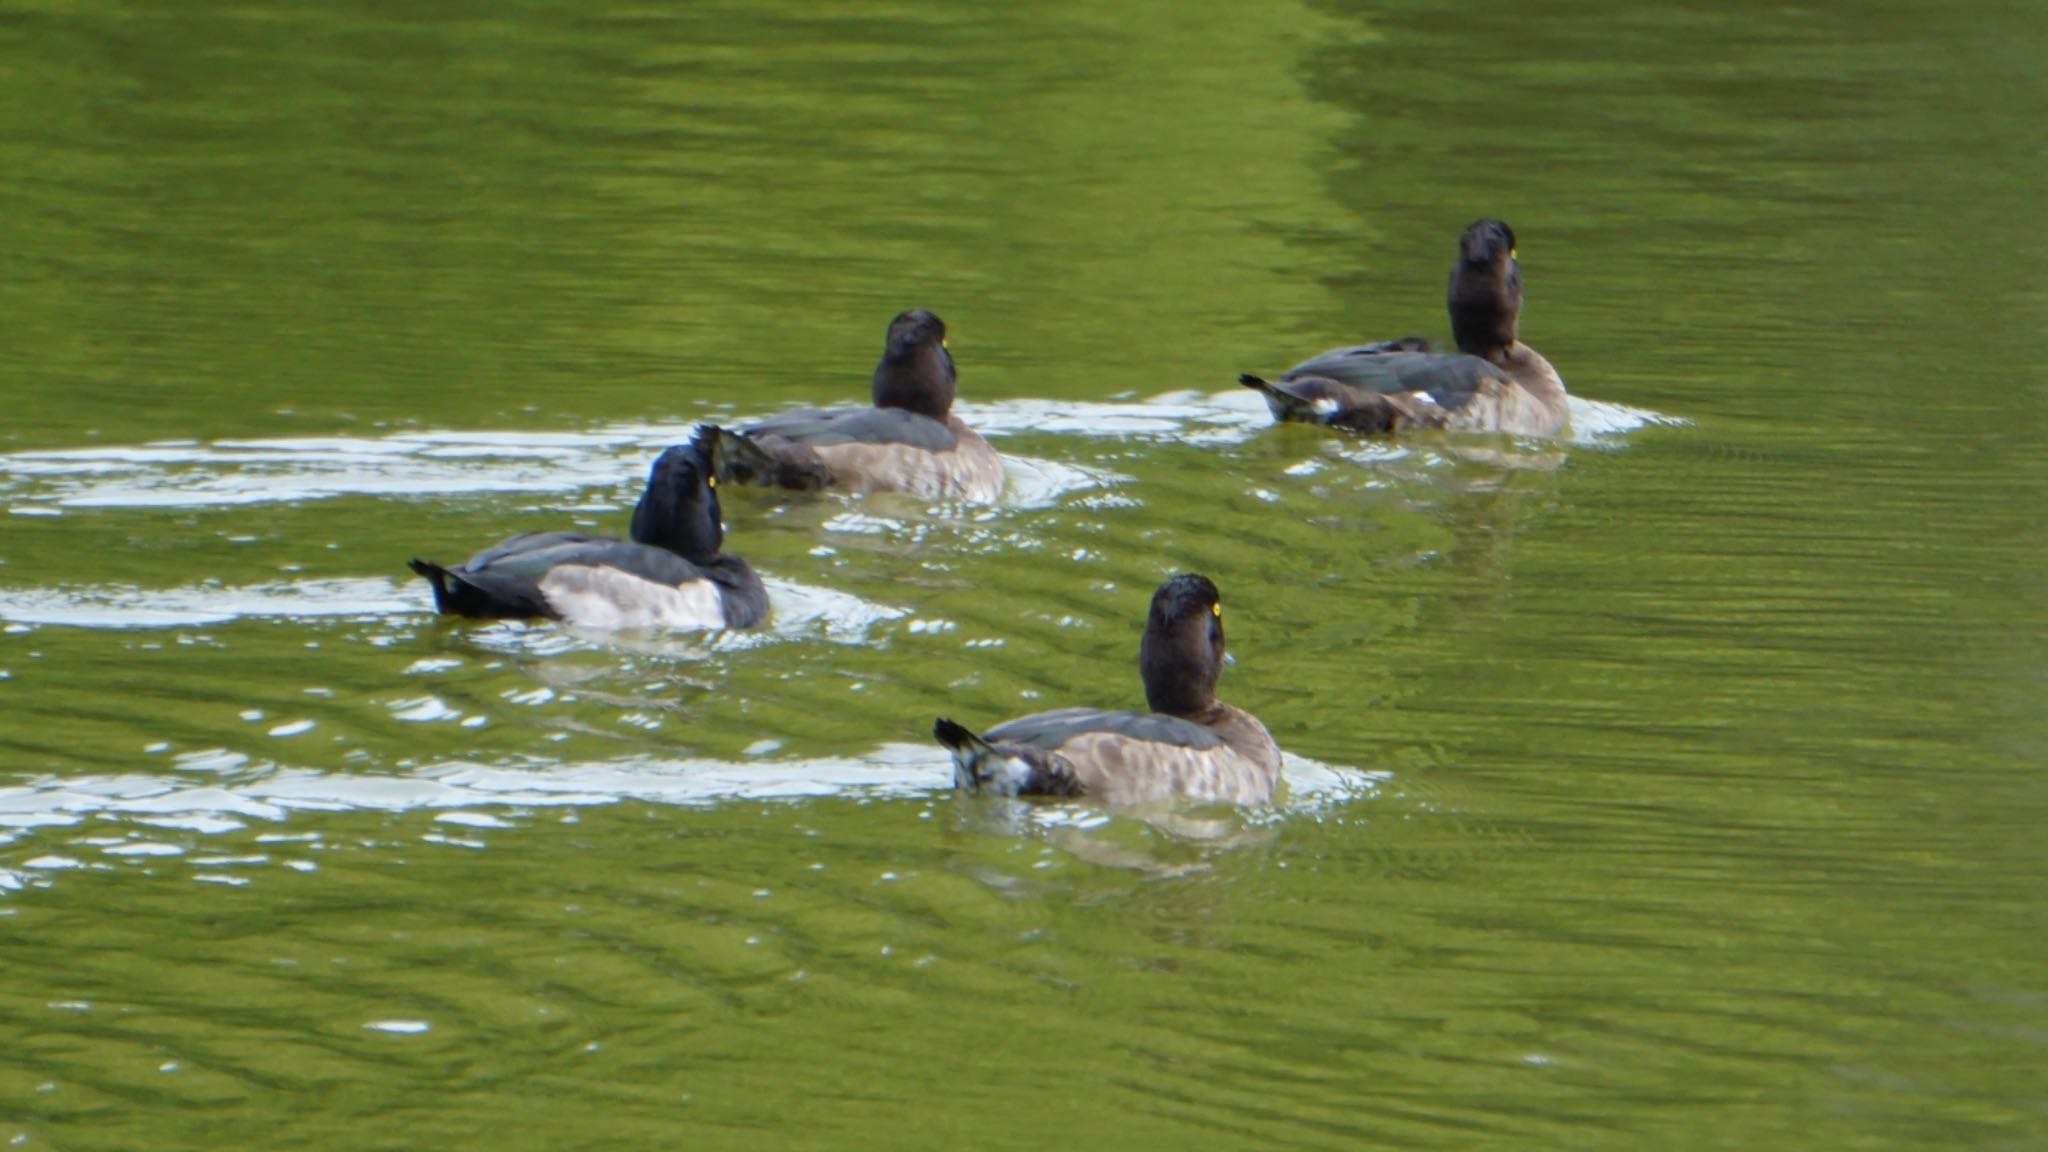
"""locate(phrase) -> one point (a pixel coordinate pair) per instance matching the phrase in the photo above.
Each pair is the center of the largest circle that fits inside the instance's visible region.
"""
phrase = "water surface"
(1678, 782)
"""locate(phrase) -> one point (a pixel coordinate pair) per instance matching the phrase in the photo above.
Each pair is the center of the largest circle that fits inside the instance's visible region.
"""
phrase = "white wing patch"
(994, 772)
(611, 600)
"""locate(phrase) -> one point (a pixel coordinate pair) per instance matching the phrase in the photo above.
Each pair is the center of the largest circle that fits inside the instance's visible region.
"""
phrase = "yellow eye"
(712, 481)
(1217, 609)
(1511, 253)
(943, 344)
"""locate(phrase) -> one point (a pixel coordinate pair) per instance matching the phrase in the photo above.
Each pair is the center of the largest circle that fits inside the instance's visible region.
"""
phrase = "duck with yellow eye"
(670, 575)
(1493, 383)
(1190, 746)
(908, 440)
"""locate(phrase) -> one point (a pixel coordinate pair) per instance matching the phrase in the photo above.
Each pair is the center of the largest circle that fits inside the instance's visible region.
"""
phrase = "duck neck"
(1177, 695)
(691, 533)
(1485, 307)
(1492, 351)
(919, 379)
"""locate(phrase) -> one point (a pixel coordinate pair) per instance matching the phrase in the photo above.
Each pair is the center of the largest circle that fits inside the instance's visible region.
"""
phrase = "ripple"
(1231, 417)
(125, 606)
(233, 473)
(229, 473)
(799, 610)
(470, 795)
(398, 1027)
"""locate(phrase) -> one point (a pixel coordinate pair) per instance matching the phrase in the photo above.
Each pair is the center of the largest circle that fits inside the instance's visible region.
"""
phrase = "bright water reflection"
(1671, 786)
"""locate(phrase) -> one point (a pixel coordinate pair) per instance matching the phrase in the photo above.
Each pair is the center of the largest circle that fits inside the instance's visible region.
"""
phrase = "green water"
(1678, 786)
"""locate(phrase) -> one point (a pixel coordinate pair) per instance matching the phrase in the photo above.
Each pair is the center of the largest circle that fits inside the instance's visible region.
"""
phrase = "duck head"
(679, 510)
(916, 372)
(1485, 296)
(1182, 655)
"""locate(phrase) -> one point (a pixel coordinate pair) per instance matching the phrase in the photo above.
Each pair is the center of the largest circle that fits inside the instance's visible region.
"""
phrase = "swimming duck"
(909, 441)
(669, 575)
(1493, 383)
(1191, 745)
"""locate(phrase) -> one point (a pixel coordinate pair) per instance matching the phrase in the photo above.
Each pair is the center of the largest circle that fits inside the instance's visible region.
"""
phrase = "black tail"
(743, 460)
(1285, 406)
(958, 737)
(1320, 400)
(1013, 770)
(436, 575)
(456, 596)
(970, 753)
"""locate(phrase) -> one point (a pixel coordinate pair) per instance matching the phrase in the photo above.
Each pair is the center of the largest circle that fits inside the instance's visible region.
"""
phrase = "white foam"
(231, 473)
(465, 794)
(126, 606)
(235, 473)
(796, 610)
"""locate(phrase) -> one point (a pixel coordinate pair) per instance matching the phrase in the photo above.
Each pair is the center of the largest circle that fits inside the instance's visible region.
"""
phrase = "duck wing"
(643, 561)
(863, 449)
(1450, 379)
(1117, 758)
(561, 575)
(515, 549)
(1051, 730)
(825, 427)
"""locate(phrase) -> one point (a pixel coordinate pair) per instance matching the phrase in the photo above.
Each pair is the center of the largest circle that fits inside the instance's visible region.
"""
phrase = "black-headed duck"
(670, 575)
(1493, 383)
(1189, 746)
(908, 441)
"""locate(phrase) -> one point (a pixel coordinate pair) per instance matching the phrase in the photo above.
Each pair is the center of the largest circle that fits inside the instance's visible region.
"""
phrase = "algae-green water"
(1675, 785)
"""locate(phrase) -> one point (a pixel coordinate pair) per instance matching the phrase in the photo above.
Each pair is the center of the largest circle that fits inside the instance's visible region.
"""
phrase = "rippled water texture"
(1674, 785)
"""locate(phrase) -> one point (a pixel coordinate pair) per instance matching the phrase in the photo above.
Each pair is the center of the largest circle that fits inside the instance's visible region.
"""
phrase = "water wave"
(215, 792)
(798, 609)
(229, 473)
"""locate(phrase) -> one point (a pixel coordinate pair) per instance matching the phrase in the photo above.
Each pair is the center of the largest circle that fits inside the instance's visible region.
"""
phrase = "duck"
(1190, 746)
(907, 440)
(1492, 383)
(670, 575)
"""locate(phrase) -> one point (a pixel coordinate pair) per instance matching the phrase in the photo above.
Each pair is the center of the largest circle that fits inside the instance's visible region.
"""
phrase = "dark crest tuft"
(1188, 594)
(1486, 242)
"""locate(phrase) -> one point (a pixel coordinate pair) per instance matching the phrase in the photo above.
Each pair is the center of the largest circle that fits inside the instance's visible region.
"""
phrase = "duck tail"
(1009, 769)
(958, 737)
(1319, 400)
(455, 596)
(971, 754)
(1286, 406)
(437, 576)
(745, 460)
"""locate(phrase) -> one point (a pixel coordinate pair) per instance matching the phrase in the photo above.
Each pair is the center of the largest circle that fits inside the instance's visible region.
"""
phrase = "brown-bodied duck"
(1493, 383)
(908, 441)
(1189, 746)
(670, 575)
